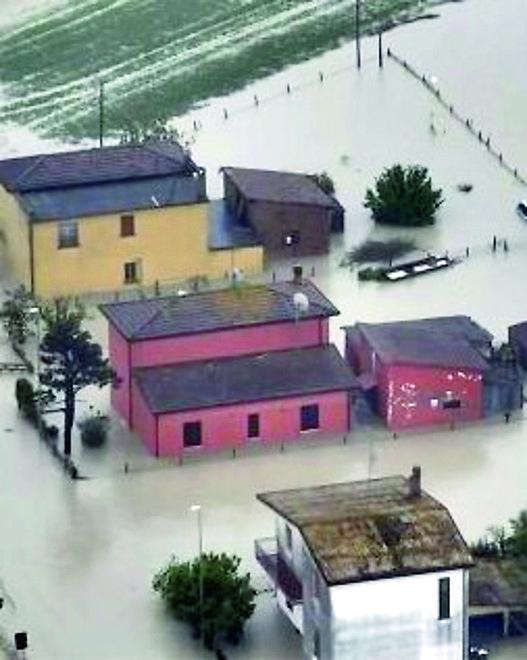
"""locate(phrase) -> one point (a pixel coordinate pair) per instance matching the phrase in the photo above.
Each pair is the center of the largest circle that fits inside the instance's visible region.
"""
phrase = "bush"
(371, 274)
(94, 431)
(209, 594)
(403, 196)
(26, 400)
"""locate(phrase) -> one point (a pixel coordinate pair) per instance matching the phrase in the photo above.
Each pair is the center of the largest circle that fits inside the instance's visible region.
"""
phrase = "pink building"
(220, 368)
(423, 372)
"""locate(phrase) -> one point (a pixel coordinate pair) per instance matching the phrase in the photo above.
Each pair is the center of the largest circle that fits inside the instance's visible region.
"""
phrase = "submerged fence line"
(466, 121)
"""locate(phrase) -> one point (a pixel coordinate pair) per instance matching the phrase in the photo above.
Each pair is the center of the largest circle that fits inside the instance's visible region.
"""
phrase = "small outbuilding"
(289, 212)
(432, 371)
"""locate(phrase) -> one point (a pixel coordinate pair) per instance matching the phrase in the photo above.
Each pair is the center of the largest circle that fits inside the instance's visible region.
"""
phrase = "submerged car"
(521, 209)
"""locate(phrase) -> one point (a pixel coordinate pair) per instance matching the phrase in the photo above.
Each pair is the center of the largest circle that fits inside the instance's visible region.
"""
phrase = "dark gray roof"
(114, 197)
(277, 374)
(518, 333)
(498, 583)
(215, 310)
(366, 530)
(451, 341)
(225, 232)
(90, 166)
(282, 187)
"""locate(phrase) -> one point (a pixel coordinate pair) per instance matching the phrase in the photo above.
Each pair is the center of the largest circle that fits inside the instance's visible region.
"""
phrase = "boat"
(429, 264)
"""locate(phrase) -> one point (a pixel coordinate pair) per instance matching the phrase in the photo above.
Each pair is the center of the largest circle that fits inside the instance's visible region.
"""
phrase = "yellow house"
(104, 219)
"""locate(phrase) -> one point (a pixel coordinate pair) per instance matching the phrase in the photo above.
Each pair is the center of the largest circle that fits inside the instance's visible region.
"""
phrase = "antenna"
(300, 303)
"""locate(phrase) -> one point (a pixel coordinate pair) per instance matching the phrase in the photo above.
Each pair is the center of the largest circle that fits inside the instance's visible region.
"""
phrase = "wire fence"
(482, 137)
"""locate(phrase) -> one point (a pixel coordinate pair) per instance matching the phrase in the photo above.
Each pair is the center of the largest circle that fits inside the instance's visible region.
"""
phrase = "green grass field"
(161, 57)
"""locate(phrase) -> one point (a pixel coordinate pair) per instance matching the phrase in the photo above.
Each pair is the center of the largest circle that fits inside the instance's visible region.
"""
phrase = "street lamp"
(196, 508)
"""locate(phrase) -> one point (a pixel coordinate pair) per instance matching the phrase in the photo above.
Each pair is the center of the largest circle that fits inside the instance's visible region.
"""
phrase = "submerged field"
(160, 57)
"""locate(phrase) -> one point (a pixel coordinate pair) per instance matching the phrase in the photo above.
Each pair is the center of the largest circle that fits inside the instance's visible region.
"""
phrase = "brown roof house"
(369, 569)
(289, 212)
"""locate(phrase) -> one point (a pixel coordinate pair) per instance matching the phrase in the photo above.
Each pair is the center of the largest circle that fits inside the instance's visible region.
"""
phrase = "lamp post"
(196, 508)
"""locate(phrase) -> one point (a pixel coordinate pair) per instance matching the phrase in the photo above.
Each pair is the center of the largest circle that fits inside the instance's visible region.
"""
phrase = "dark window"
(192, 434)
(68, 234)
(316, 644)
(309, 417)
(451, 404)
(253, 426)
(127, 225)
(288, 537)
(132, 272)
(444, 598)
(292, 237)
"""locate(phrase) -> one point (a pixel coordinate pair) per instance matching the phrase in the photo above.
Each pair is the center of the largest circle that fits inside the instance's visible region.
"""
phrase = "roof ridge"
(313, 303)
(38, 161)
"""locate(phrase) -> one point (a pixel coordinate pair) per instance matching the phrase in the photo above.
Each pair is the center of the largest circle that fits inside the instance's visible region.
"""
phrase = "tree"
(71, 360)
(403, 196)
(324, 182)
(226, 602)
(17, 315)
(518, 537)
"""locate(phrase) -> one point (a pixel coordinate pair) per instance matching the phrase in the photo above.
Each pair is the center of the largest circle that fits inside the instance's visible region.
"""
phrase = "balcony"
(278, 570)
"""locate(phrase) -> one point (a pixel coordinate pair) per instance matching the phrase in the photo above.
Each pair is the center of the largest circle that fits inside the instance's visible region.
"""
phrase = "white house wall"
(397, 619)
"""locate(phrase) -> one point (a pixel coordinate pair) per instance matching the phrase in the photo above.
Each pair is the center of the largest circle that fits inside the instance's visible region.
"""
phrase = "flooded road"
(77, 558)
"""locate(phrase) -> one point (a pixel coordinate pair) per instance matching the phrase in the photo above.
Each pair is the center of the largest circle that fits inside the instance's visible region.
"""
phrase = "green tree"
(324, 182)
(17, 315)
(71, 360)
(404, 196)
(209, 594)
(518, 539)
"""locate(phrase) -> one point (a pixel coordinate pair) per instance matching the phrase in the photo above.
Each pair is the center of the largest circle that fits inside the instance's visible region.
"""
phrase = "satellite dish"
(181, 293)
(237, 275)
(300, 302)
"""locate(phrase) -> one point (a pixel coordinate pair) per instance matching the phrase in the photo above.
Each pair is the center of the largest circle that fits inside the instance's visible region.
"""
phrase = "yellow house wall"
(248, 259)
(14, 239)
(171, 243)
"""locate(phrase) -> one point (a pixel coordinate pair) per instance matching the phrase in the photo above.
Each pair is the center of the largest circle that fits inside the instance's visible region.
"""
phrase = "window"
(309, 417)
(451, 404)
(316, 644)
(253, 426)
(132, 272)
(444, 598)
(292, 238)
(68, 234)
(288, 537)
(192, 434)
(127, 225)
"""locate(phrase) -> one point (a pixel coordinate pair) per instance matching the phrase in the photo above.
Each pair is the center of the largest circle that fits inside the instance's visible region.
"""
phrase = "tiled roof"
(224, 232)
(215, 310)
(365, 530)
(276, 374)
(283, 187)
(452, 341)
(91, 166)
(114, 197)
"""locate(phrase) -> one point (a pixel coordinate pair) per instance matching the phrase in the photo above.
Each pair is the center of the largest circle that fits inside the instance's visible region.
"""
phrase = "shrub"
(26, 400)
(371, 274)
(403, 196)
(209, 594)
(94, 431)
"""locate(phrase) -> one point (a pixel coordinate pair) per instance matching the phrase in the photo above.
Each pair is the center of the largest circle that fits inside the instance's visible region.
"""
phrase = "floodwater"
(76, 559)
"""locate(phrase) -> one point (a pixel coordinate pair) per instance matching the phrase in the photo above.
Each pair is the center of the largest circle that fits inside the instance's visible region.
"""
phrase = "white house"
(370, 570)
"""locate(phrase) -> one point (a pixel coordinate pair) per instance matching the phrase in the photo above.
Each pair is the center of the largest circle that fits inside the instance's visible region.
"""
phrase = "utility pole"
(381, 62)
(357, 32)
(101, 112)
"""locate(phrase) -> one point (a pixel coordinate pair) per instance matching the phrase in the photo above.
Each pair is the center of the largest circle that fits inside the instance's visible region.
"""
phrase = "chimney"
(414, 482)
(297, 274)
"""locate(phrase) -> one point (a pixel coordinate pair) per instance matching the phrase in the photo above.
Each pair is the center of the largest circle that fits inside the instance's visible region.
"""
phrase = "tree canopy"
(324, 182)
(503, 542)
(404, 196)
(71, 359)
(209, 594)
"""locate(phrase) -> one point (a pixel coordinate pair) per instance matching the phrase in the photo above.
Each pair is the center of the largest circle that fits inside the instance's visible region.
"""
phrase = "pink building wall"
(226, 426)
(143, 421)
(206, 345)
(412, 396)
